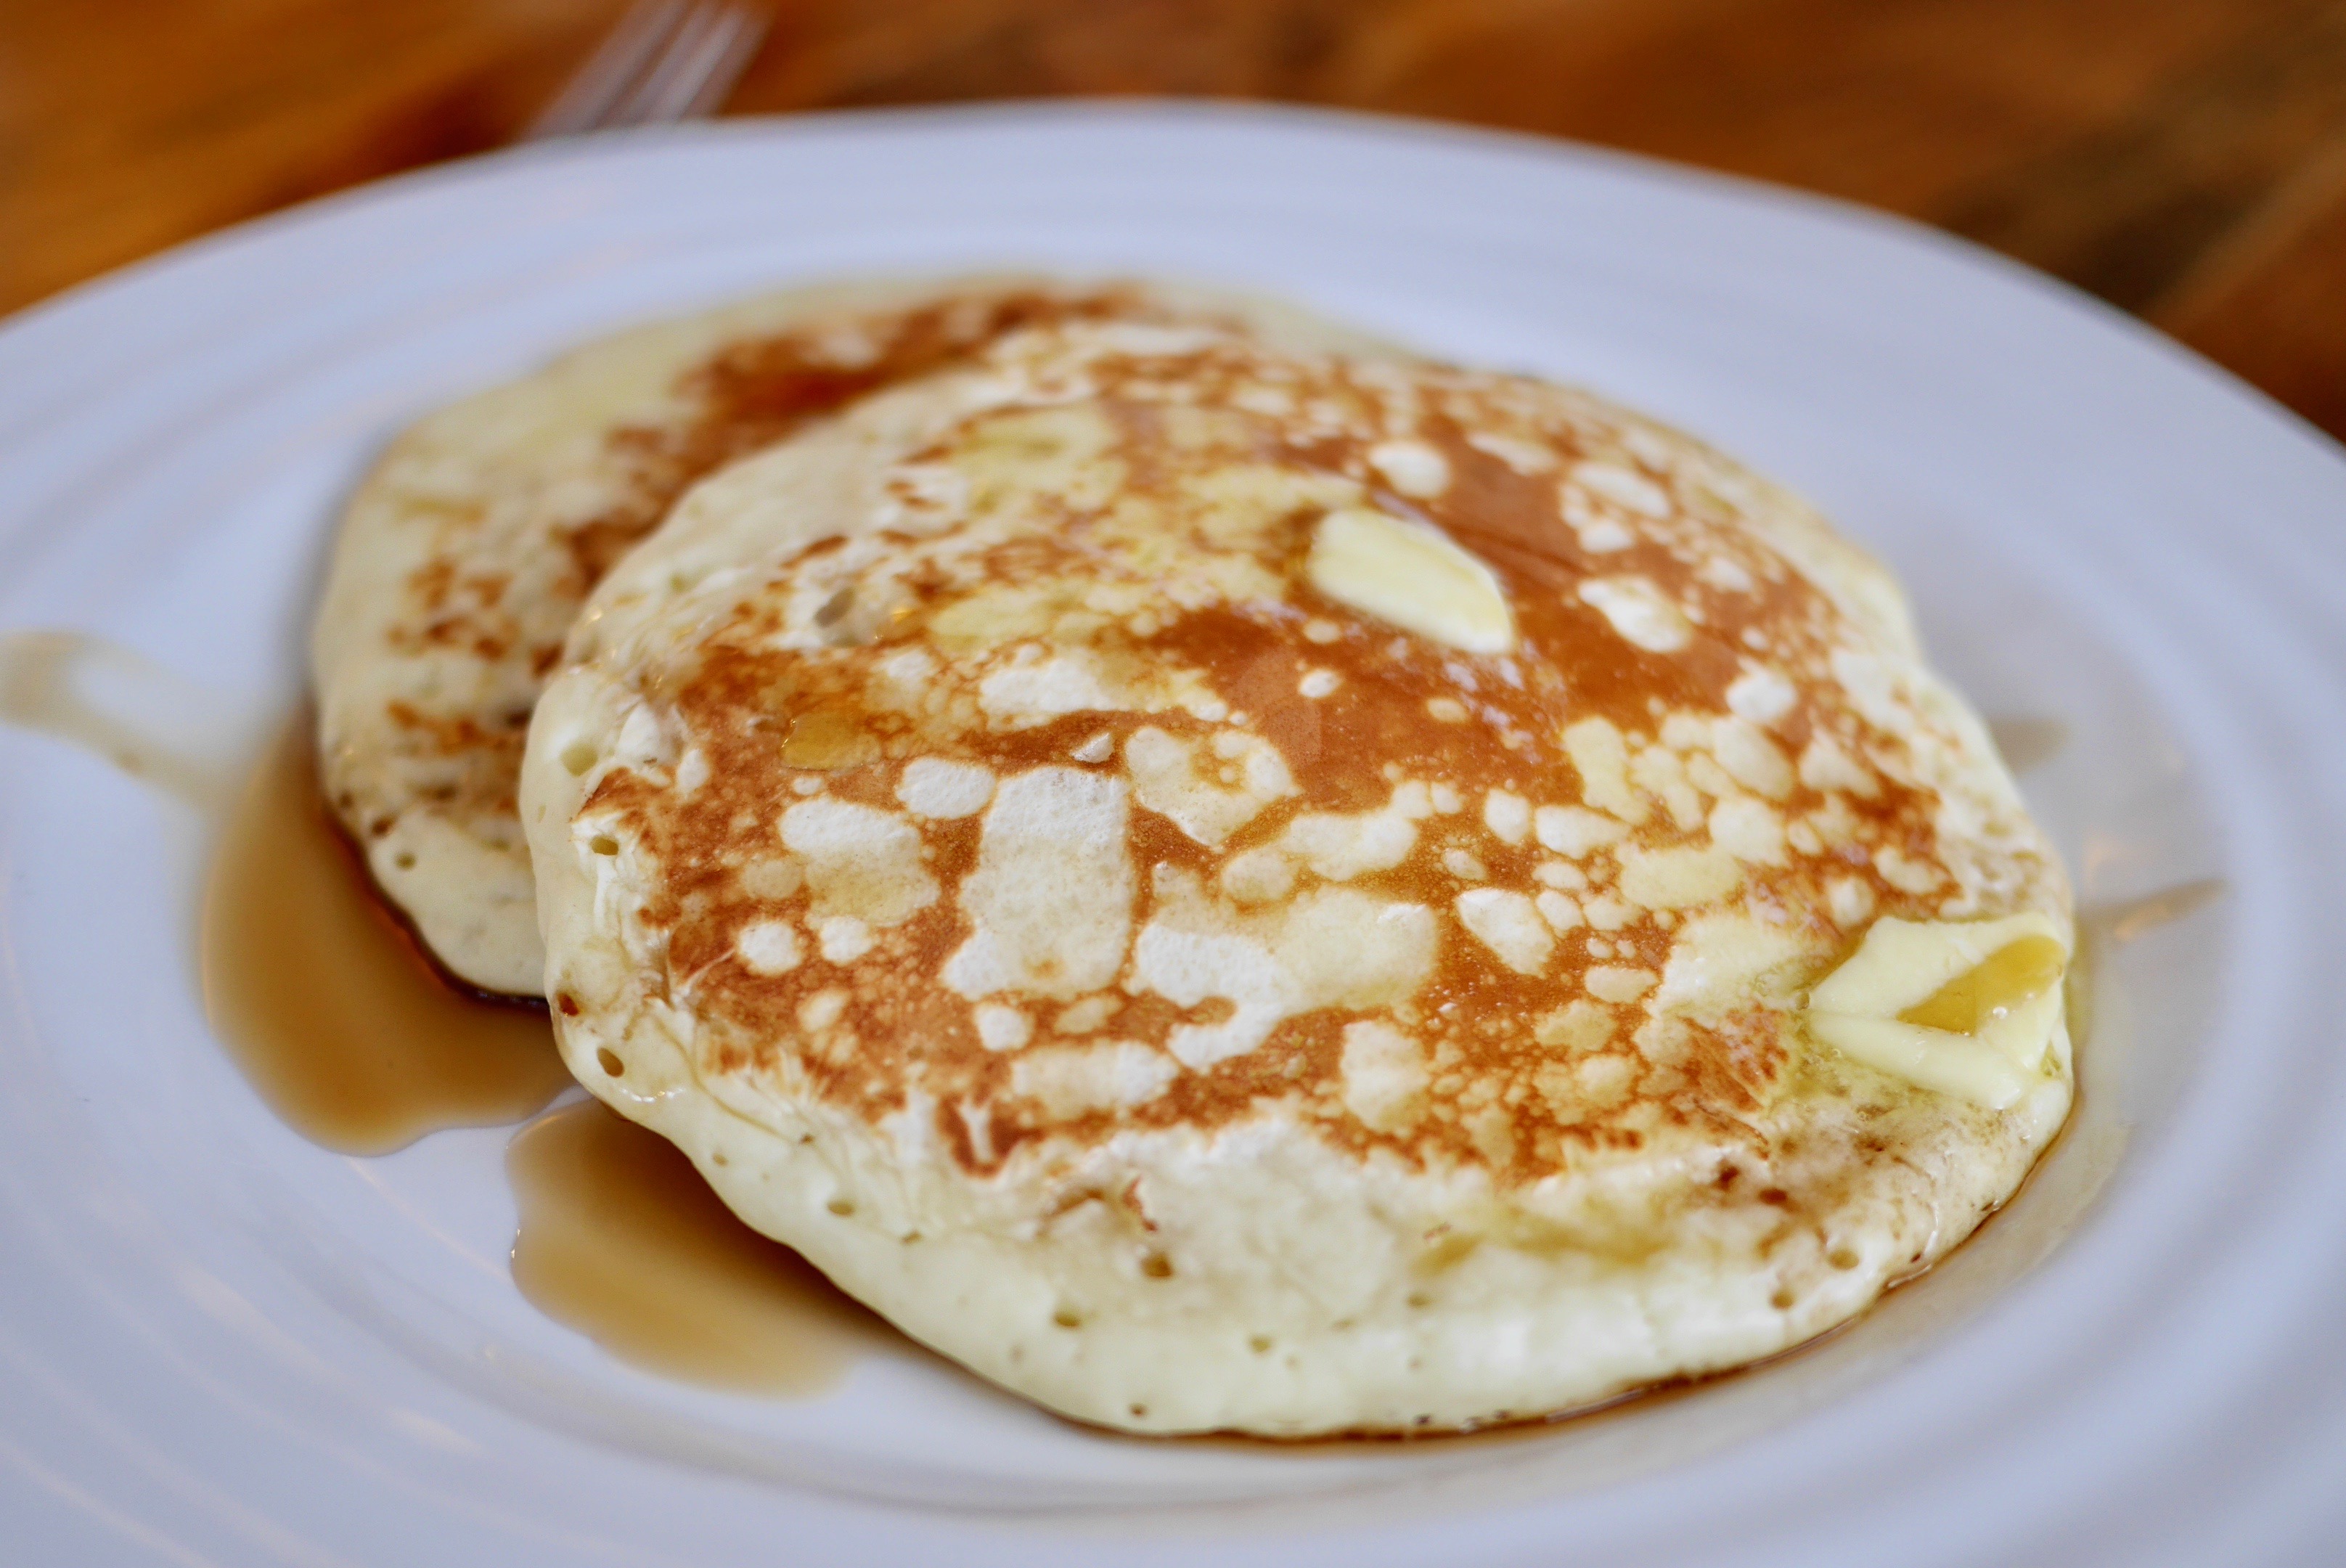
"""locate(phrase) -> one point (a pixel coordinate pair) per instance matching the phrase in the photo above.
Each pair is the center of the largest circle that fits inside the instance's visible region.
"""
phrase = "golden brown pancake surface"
(1150, 844)
(466, 553)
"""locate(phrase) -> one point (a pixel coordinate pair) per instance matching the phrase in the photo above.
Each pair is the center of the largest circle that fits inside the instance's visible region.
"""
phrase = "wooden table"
(2184, 159)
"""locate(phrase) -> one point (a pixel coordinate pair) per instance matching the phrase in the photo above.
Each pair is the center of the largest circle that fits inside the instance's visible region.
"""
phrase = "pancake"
(1228, 889)
(465, 553)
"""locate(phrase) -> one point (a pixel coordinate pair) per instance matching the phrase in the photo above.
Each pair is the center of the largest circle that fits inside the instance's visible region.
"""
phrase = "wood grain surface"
(2184, 159)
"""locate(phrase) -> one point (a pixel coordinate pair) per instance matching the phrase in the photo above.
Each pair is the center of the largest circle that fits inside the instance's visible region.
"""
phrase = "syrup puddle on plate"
(622, 1240)
(118, 706)
(2123, 920)
(337, 1020)
(360, 1044)
(2028, 743)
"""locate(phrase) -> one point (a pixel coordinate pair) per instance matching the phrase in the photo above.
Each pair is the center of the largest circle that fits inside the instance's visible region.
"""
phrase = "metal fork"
(667, 60)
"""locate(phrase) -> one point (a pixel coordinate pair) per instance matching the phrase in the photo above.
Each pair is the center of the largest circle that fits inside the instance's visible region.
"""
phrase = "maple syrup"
(622, 1240)
(325, 1000)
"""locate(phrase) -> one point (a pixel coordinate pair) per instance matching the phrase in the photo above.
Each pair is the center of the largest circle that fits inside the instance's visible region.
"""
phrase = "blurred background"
(2183, 159)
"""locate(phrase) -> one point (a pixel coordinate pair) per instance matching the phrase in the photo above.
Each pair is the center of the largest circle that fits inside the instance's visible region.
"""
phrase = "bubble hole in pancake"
(1237, 890)
(465, 553)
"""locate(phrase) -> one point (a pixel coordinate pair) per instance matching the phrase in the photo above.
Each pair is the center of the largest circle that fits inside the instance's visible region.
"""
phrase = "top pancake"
(1236, 889)
(467, 552)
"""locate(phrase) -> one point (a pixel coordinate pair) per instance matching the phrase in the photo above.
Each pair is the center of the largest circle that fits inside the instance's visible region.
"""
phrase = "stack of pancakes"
(1221, 874)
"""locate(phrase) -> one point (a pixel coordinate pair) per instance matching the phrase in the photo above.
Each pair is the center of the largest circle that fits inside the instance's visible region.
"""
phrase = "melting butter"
(1413, 575)
(1967, 1008)
(2012, 975)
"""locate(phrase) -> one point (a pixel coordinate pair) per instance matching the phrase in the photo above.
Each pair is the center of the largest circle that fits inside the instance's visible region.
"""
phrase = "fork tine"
(682, 48)
(707, 44)
(742, 43)
(600, 84)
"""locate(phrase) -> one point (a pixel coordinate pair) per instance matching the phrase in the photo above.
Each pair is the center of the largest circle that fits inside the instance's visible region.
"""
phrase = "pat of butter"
(1411, 575)
(1859, 1008)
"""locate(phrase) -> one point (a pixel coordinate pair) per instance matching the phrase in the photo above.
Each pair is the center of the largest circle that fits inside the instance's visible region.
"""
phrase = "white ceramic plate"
(220, 1344)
